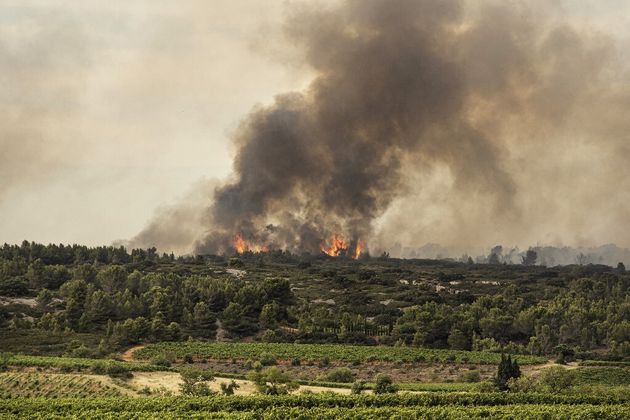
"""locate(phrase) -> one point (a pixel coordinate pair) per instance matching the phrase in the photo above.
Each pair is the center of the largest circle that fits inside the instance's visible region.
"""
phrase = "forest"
(93, 301)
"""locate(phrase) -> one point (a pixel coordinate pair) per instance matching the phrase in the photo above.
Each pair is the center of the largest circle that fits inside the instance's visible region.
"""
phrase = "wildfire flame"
(339, 246)
(242, 246)
(358, 249)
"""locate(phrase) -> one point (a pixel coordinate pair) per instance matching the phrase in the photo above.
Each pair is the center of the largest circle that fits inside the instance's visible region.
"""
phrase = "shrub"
(188, 358)
(4, 361)
(228, 388)
(161, 361)
(119, 371)
(99, 368)
(325, 361)
(384, 385)
(194, 382)
(273, 381)
(267, 359)
(486, 386)
(557, 378)
(357, 387)
(472, 376)
(523, 384)
(340, 375)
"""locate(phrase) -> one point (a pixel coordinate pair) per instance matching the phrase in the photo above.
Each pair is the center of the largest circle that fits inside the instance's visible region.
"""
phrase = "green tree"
(203, 320)
(269, 316)
(457, 340)
(273, 381)
(194, 382)
(384, 385)
(557, 378)
(507, 370)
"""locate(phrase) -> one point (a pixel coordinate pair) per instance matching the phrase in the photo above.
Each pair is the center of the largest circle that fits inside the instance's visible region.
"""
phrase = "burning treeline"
(402, 87)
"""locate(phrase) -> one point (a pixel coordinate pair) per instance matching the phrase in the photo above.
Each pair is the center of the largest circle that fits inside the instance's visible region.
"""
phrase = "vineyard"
(20, 384)
(77, 363)
(317, 352)
(325, 407)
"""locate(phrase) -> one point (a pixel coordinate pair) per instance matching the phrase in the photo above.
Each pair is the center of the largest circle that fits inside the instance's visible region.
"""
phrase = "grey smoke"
(493, 94)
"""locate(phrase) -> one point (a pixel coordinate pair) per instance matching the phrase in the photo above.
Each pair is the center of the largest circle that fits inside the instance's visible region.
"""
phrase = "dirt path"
(127, 356)
(536, 369)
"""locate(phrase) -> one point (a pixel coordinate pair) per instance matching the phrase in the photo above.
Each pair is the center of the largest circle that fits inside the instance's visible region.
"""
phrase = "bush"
(228, 388)
(486, 386)
(340, 375)
(523, 384)
(193, 382)
(267, 359)
(188, 358)
(472, 376)
(119, 371)
(4, 361)
(99, 368)
(325, 361)
(273, 381)
(357, 387)
(161, 361)
(557, 378)
(384, 385)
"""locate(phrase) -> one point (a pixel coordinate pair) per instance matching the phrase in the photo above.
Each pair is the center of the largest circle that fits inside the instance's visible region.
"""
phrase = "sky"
(110, 111)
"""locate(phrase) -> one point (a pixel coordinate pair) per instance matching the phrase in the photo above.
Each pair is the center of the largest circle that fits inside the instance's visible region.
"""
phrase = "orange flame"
(358, 249)
(239, 243)
(337, 247)
(241, 246)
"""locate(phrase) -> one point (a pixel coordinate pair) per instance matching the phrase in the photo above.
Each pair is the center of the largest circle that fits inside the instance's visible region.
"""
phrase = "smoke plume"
(433, 120)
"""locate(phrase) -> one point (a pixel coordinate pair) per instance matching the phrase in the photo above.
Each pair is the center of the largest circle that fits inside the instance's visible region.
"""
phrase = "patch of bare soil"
(127, 356)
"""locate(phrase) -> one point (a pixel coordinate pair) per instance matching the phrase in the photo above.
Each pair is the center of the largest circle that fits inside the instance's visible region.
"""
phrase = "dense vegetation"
(316, 352)
(329, 406)
(92, 301)
(21, 384)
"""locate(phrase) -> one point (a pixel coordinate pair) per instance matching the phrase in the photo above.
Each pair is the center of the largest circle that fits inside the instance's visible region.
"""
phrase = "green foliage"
(327, 406)
(267, 359)
(4, 360)
(228, 388)
(35, 384)
(507, 370)
(321, 352)
(273, 381)
(357, 387)
(558, 378)
(194, 382)
(471, 376)
(342, 374)
(118, 371)
(384, 385)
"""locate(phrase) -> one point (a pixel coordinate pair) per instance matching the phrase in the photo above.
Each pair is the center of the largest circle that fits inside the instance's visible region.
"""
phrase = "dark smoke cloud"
(480, 92)
(329, 159)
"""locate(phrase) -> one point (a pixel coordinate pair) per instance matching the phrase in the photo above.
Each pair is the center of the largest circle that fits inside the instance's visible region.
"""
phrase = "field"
(495, 405)
(315, 352)
(34, 384)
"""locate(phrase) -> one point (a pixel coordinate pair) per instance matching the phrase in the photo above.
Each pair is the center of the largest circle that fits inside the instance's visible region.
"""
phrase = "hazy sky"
(111, 109)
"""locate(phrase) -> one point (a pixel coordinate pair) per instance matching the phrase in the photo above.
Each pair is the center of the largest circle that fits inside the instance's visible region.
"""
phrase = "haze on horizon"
(118, 118)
